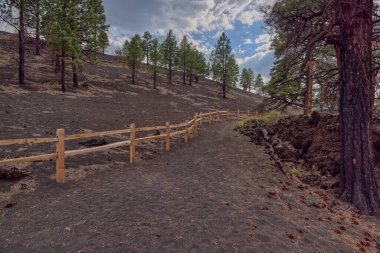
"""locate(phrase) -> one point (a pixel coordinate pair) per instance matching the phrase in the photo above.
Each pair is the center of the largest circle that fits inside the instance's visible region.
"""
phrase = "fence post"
(167, 138)
(218, 116)
(132, 146)
(209, 118)
(60, 162)
(186, 131)
(195, 124)
(228, 112)
(238, 115)
(201, 121)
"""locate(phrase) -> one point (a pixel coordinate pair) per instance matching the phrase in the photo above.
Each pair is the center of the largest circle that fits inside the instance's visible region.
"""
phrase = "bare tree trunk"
(308, 99)
(190, 77)
(357, 179)
(21, 44)
(224, 84)
(38, 24)
(133, 73)
(184, 69)
(170, 72)
(75, 75)
(154, 79)
(57, 63)
(63, 71)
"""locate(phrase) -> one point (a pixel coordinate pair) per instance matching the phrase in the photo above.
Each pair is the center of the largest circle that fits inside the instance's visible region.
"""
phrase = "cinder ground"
(219, 193)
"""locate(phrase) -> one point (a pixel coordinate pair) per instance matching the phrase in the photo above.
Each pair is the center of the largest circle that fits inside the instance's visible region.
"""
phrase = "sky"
(201, 20)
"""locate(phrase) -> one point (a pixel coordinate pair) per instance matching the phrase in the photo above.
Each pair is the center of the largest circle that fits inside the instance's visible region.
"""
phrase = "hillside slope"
(109, 102)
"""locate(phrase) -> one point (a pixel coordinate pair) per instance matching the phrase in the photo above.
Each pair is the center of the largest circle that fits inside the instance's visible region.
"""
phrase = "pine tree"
(169, 47)
(224, 66)
(251, 79)
(258, 84)
(34, 14)
(13, 13)
(60, 30)
(135, 54)
(200, 66)
(155, 57)
(146, 45)
(182, 57)
(125, 52)
(103, 41)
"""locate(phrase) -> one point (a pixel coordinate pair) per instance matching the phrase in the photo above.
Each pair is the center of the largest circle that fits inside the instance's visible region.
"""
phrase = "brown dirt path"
(216, 194)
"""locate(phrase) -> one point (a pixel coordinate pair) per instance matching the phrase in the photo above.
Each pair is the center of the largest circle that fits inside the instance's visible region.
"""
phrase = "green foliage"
(298, 35)
(224, 68)
(242, 123)
(146, 45)
(247, 78)
(73, 27)
(169, 49)
(155, 55)
(258, 83)
(135, 52)
(183, 55)
(294, 170)
(271, 117)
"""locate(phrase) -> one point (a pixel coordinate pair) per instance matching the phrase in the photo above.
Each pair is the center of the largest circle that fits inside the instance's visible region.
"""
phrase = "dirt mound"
(310, 146)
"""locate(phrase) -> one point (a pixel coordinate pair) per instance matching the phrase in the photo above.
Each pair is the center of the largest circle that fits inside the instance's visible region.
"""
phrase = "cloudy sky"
(202, 20)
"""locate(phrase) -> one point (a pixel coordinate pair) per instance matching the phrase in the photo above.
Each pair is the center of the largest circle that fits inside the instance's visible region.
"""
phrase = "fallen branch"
(271, 150)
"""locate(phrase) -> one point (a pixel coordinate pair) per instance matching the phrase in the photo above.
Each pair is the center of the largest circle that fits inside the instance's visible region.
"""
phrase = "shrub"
(271, 117)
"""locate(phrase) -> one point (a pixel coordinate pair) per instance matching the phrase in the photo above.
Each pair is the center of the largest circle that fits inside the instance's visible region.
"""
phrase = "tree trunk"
(21, 45)
(170, 72)
(184, 70)
(75, 75)
(57, 63)
(154, 79)
(308, 99)
(63, 71)
(38, 24)
(133, 73)
(357, 179)
(190, 82)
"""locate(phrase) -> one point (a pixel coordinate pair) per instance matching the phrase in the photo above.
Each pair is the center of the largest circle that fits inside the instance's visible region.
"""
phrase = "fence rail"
(185, 128)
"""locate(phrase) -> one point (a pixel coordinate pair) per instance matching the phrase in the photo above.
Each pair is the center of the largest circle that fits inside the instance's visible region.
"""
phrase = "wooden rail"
(184, 128)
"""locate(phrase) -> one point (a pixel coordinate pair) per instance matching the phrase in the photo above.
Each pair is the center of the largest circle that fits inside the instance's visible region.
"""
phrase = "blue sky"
(201, 20)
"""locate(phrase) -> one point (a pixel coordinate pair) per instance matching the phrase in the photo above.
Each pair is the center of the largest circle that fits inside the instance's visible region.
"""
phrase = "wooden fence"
(185, 129)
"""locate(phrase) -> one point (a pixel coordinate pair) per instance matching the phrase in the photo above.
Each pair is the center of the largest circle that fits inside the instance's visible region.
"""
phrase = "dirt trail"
(216, 194)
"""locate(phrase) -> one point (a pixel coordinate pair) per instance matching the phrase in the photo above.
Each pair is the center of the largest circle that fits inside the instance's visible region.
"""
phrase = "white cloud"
(248, 41)
(262, 38)
(187, 16)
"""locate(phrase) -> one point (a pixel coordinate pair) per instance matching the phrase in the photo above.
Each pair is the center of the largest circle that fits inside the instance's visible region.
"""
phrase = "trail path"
(218, 193)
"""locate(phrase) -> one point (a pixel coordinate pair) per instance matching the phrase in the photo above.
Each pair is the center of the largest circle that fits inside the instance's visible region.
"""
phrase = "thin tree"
(146, 44)
(169, 47)
(258, 83)
(223, 63)
(60, 31)
(8, 8)
(155, 57)
(183, 57)
(135, 54)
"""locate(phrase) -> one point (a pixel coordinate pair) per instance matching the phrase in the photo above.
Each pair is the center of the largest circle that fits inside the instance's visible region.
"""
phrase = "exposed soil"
(200, 197)
(107, 102)
(310, 144)
(219, 193)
